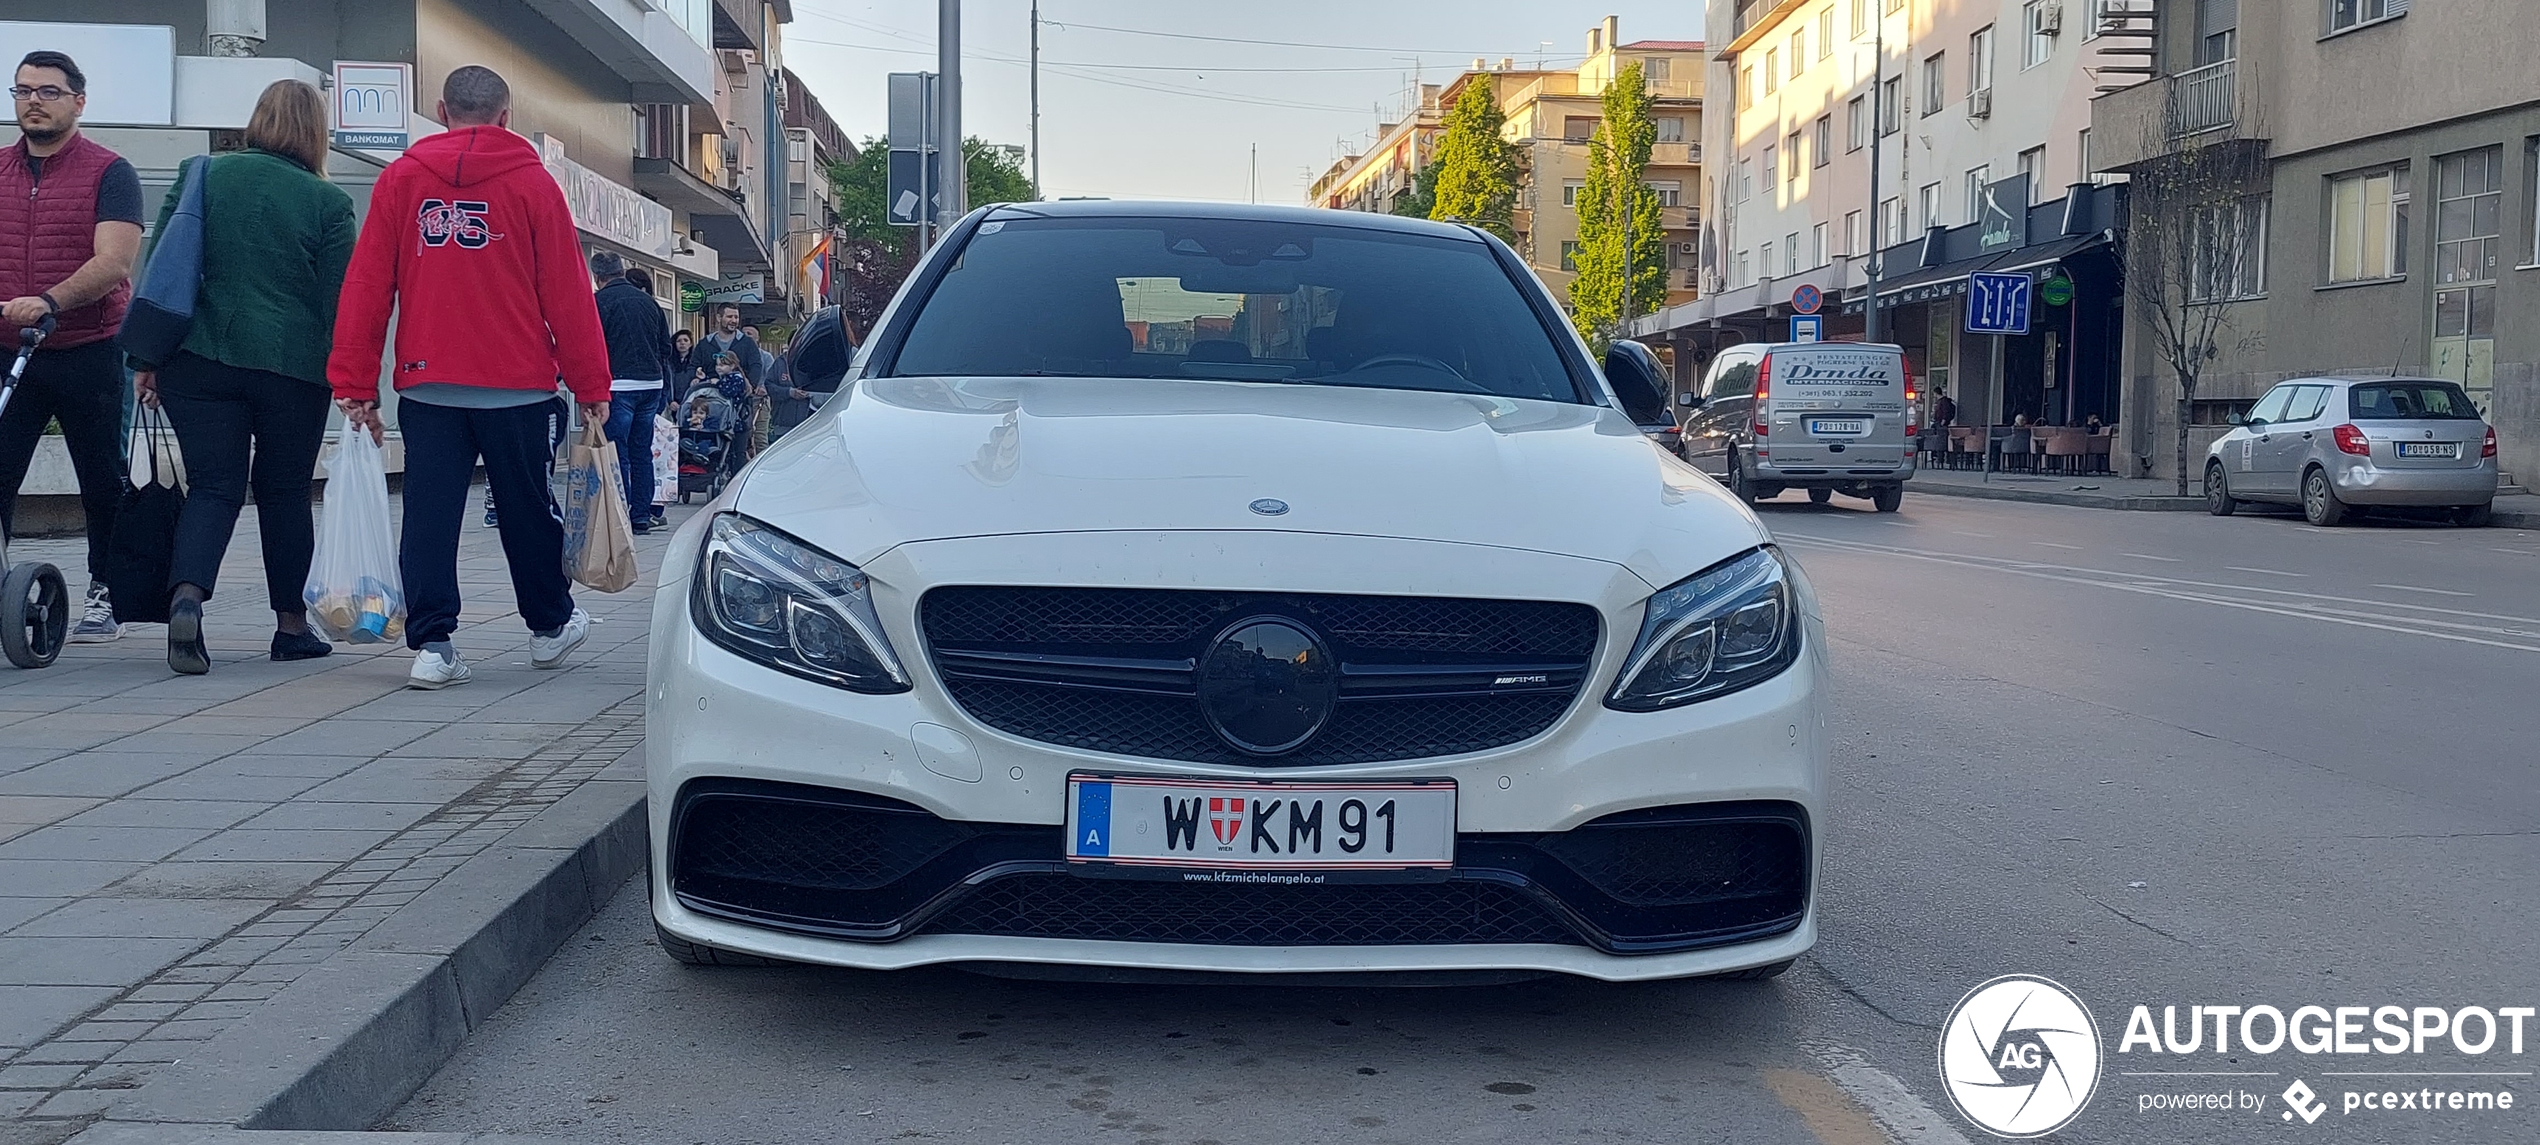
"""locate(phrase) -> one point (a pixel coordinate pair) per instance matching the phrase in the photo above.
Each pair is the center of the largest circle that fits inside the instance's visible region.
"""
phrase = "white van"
(1827, 417)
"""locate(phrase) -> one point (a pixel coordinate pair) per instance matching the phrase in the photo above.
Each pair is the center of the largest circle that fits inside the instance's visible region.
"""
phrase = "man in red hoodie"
(470, 243)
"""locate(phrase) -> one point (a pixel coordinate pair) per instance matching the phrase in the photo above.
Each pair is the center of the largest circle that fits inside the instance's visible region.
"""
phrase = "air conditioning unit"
(1980, 104)
(1689, 248)
(2050, 19)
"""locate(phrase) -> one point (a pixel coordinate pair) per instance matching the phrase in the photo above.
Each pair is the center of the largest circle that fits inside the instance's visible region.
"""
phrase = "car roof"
(2365, 380)
(1235, 212)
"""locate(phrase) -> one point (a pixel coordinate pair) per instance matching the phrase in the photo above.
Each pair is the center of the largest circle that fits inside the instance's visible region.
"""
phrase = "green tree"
(1616, 205)
(1422, 198)
(1476, 179)
(995, 176)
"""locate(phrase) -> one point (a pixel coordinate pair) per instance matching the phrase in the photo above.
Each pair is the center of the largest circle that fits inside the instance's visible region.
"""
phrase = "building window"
(2227, 251)
(1671, 129)
(1771, 165)
(1856, 122)
(2344, 14)
(1654, 69)
(2081, 151)
(1746, 89)
(2217, 31)
(2468, 201)
(1977, 180)
(1745, 179)
(1935, 83)
(1578, 128)
(1852, 236)
(1892, 104)
(1570, 256)
(1798, 52)
(1570, 191)
(2532, 146)
(1817, 246)
(1790, 159)
(1764, 260)
(1825, 33)
(1772, 70)
(1745, 269)
(1894, 6)
(1860, 18)
(2033, 165)
(2039, 45)
(2368, 225)
(1980, 60)
(1790, 253)
(2098, 16)
(1824, 149)
(1928, 202)
(1891, 221)
(1671, 193)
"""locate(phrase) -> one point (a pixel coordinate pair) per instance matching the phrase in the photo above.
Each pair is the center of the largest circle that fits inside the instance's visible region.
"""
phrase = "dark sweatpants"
(82, 387)
(443, 444)
(217, 410)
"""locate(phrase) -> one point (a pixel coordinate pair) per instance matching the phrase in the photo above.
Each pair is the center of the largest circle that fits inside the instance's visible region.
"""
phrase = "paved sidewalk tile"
(174, 851)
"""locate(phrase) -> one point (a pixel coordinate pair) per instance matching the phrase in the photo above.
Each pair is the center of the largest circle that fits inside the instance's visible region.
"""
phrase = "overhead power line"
(1267, 43)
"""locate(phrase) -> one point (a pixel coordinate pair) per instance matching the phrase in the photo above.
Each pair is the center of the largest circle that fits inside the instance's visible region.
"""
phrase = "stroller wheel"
(35, 614)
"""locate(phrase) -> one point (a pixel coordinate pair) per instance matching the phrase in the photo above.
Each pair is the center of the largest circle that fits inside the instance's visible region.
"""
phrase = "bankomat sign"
(371, 104)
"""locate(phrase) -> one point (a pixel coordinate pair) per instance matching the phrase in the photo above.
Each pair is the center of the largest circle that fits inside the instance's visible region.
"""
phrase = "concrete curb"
(357, 1035)
(136, 1133)
(2060, 497)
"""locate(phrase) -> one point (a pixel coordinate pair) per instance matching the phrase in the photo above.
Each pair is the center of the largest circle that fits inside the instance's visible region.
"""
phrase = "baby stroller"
(35, 605)
(708, 423)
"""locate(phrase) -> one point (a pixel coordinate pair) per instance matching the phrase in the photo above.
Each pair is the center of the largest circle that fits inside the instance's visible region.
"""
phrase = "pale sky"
(1144, 115)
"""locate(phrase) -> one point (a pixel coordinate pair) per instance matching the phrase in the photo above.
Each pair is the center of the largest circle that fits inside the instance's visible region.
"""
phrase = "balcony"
(1675, 154)
(2136, 125)
(2202, 100)
(648, 48)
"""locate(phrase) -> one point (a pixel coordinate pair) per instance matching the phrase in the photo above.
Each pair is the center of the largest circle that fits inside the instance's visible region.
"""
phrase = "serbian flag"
(813, 271)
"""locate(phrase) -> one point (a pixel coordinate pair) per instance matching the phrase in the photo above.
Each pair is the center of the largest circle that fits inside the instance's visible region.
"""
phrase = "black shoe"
(289, 646)
(643, 528)
(660, 520)
(186, 654)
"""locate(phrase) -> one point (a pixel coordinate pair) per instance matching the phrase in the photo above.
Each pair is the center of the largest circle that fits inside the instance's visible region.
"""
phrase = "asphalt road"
(2161, 758)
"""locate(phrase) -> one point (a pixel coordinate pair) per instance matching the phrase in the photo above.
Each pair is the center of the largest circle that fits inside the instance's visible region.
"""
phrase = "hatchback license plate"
(1116, 821)
(2430, 449)
(1834, 425)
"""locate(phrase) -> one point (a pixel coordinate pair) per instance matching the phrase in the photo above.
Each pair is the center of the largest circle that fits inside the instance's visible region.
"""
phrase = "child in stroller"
(708, 424)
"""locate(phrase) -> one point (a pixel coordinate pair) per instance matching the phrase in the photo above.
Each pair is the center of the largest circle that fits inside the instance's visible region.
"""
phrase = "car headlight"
(771, 598)
(1731, 626)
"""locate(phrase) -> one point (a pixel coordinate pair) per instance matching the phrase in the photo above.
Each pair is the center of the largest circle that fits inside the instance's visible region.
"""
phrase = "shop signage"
(371, 101)
(2004, 215)
(606, 209)
(692, 297)
(741, 289)
(2056, 291)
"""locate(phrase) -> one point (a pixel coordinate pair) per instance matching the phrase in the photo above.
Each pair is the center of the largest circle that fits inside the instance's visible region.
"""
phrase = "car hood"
(898, 460)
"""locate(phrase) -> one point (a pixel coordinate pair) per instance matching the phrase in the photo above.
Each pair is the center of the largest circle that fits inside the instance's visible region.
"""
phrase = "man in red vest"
(70, 227)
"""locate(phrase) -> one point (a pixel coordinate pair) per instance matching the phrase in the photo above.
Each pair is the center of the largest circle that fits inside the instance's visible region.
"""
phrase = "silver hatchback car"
(2337, 445)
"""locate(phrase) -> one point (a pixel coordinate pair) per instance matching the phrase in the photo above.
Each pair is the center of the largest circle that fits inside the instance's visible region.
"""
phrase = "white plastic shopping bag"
(354, 593)
(665, 460)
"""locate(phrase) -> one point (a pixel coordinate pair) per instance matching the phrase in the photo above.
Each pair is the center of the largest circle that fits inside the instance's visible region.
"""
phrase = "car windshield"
(1234, 300)
(2410, 401)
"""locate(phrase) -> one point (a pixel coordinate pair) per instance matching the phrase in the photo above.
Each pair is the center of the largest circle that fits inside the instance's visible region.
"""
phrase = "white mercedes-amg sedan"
(1243, 590)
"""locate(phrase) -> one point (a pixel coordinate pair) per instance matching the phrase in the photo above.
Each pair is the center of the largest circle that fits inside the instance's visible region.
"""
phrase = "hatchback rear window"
(2410, 401)
(1234, 300)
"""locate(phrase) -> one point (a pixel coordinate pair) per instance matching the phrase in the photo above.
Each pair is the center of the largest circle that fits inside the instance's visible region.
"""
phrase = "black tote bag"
(142, 554)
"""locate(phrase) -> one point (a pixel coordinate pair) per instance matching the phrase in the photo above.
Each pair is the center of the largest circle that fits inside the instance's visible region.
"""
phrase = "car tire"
(1887, 498)
(689, 953)
(1820, 496)
(1756, 973)
(2320, 505)
(2218, 498)
(1739, 486)
(2473, 516)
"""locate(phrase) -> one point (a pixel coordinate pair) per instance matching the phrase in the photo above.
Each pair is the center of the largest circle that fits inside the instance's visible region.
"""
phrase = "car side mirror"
(1689, 400)
(821, 352)
(1639, 382)
(2236, 417)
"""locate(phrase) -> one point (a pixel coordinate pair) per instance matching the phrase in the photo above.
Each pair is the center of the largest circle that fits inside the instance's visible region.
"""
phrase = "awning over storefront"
(1947, 279)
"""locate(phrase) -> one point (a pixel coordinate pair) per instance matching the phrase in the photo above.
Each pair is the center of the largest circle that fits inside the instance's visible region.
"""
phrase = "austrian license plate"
(1828, 425)
(1217, 831)
(2430, 449)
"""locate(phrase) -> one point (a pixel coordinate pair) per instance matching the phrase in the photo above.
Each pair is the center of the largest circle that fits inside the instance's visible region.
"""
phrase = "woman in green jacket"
(247, 392)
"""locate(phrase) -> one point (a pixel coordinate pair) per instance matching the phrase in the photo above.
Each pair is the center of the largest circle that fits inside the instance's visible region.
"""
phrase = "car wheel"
(1887, 498)
(1756, 973)
(1739, 486)
(2473, 516)
(2218, 498)
(698, 954)
(1820, 496)
(2320, 505)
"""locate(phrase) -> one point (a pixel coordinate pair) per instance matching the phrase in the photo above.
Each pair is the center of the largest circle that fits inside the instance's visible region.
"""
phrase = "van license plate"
(1827, 425)
(2450, 449)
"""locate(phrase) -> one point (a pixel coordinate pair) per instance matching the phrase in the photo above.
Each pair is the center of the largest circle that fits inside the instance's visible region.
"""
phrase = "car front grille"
(847, 865)
(1116, 670)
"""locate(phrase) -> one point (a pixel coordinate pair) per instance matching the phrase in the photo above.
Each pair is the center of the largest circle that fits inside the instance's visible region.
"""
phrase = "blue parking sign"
(1997, 303)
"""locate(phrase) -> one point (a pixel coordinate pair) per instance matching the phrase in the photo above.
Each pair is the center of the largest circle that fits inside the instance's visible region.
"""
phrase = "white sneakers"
(550, 651)
(434, 670)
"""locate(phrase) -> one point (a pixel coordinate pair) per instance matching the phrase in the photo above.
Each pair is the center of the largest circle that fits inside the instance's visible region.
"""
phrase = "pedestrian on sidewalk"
(247, 391)
(684, 371)
(729, 338)
(71, 213)
(471, 245)
(633, 326)
(762, 392)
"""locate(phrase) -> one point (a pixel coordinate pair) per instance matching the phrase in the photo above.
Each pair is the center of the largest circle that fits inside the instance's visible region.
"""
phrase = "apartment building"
(1550, 114)
(1979, 114)
(2394, 223)
(814, 145)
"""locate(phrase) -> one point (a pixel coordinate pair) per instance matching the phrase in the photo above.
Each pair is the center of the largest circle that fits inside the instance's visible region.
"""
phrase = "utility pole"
(952, 176)
(1036, 99)
(1254, 195)
(1878, 131)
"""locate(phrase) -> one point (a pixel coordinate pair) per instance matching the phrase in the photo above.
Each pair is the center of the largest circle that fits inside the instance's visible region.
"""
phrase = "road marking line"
(2057, 545)
(1964, 533)
(2414, 588)
(2516, 552)
(2268, 572)
(2150, 557)
(1892, 1105)
(2192, 1073)
(1829, 1115)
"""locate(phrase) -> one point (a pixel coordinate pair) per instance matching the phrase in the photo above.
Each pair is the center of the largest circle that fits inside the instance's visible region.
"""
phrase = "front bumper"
(2360, 482)
(717, 719)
